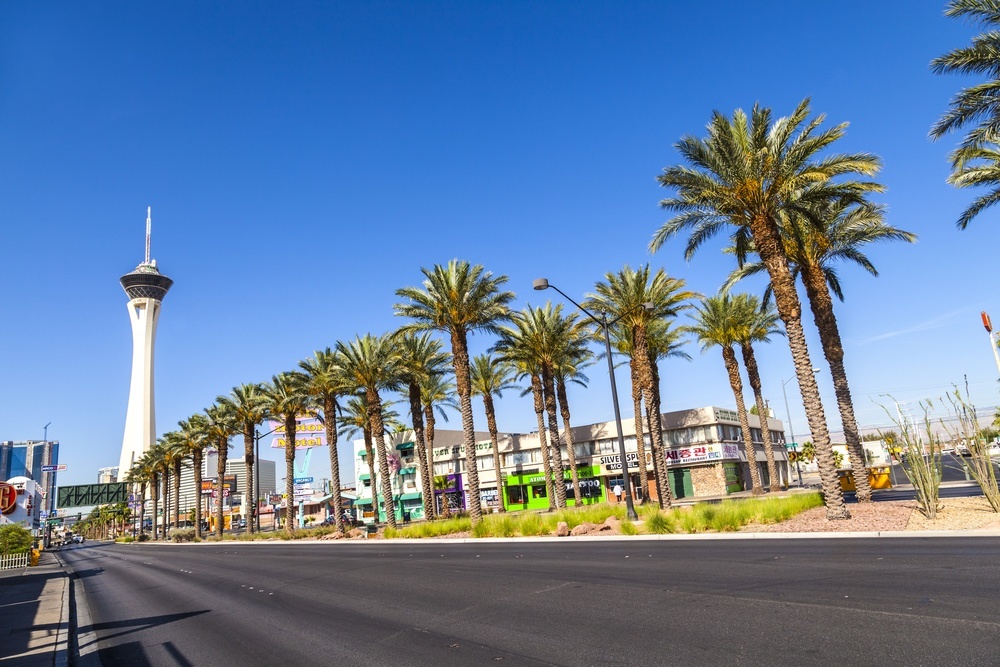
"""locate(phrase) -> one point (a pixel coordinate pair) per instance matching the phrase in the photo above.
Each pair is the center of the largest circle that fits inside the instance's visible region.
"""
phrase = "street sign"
(303, 480)
(43, 515)
(791, 445)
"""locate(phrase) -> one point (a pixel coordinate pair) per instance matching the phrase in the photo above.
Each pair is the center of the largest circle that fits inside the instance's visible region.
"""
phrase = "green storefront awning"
(410, 496)
(407, 471)
(365, 477)
(405, 447)
(362, 453)
(363, 501)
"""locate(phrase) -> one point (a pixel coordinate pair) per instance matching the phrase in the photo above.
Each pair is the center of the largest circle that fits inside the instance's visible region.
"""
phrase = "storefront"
(529, 491)
(448, 488)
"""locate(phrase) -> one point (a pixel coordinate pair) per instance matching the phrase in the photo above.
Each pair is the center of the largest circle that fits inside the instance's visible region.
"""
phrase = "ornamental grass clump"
(531, 525)
(922, 461)
(979, 463)
(658, 523)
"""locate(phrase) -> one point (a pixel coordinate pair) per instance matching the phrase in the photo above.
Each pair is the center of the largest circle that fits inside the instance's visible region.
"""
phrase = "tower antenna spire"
(149, 226)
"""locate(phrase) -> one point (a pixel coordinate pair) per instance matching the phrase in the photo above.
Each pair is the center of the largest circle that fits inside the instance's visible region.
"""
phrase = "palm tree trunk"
(429, 419)
(753, 375)
(330, 423)
(220, 485)
(733, 368)
(460, 357)
(250, 501)
(549, 396)
(767, 240)
(196, 461)
(640, 352)
(568, 437)
(165, 497)
(491, 424)
(290, 433)
(177, 494)
(640, 439)
(416, 415)
(378, 433)
(536, 392)
(829, 335)
(655, 426)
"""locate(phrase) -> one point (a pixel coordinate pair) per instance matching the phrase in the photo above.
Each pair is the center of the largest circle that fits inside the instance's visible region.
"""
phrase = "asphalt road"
(911, 601)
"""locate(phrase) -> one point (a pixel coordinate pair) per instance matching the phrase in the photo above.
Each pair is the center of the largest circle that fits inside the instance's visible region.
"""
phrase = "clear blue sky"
(304, 160)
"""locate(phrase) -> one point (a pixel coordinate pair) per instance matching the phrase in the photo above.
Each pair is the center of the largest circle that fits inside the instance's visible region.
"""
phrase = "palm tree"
(420, 356)
(837, 232)
(245, 407)
(370, 364)
(326, 384)
(570, 369)
(522, 344)
(458, 299)
(717, 323)
(287, 397)
(354, 417)
(490, 377)
(760, 322)
(748, 174)
(175, 455)
(193, 434)
(976, 161)
(437, 392)
(221, 426)
(636, 298)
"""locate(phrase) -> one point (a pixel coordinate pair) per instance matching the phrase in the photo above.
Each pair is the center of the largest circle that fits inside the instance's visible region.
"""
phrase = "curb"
(61, 658)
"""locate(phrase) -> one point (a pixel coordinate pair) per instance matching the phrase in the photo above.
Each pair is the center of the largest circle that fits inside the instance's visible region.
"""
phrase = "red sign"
(8, 498)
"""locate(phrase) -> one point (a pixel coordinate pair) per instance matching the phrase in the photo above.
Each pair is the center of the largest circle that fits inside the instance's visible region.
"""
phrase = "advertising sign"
(309, 432)
(8, 498)
(612, 463)
(303, 480)
(702, 454)
(208, 485)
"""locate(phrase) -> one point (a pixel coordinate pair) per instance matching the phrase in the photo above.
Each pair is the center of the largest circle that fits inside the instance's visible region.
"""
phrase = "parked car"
(241, 524)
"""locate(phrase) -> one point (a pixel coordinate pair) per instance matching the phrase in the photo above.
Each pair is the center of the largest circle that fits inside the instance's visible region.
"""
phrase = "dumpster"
(878, 478)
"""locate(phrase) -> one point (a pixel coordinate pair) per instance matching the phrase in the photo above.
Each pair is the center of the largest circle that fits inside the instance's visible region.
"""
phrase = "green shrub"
(629, 528)
(14, 539)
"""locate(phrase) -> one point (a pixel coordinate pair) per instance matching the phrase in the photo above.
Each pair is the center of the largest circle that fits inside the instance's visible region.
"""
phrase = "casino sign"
(8, 498)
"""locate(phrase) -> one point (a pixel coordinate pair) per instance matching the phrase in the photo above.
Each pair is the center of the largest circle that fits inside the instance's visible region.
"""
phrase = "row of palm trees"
(791, 213)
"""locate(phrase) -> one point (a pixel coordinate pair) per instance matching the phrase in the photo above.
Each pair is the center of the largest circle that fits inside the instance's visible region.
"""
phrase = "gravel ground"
(897, 515)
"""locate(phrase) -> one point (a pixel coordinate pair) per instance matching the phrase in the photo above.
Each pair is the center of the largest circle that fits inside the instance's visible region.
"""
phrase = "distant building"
(107, 475)
(25, 459)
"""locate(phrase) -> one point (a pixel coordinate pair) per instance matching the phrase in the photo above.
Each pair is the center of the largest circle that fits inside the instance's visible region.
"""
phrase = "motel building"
(705, 457)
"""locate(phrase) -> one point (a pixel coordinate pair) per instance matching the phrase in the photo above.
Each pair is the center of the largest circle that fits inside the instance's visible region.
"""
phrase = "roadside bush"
(181, 535)
(629, 528)
(143, 537)
(14, 539)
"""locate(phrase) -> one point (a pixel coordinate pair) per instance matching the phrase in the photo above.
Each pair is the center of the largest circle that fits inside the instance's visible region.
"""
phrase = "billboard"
(309, 432)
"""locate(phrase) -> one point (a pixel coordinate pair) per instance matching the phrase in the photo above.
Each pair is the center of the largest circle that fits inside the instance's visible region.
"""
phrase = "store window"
(516, 495)
(538, 491)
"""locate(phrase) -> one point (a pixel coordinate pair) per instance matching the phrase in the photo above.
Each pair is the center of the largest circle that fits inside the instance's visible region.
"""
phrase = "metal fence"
(11, 561)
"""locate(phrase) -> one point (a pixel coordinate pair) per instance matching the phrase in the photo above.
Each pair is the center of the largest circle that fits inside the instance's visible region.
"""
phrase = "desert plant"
(181, 535)
(922, 468)
(978, 464)
(628, 528)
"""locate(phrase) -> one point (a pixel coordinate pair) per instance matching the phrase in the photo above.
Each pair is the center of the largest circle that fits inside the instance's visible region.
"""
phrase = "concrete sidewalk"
(34, 614)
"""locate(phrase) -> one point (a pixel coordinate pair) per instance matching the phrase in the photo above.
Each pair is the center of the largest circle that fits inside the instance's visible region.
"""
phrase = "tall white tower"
(146, 288)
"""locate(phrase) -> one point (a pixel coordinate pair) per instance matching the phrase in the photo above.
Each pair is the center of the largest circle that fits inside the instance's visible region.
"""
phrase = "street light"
(49, 478)
(543, 284)
(791, 431)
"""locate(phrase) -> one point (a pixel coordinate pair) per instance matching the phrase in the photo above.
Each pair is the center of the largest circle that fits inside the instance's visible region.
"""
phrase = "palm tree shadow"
(136, 624)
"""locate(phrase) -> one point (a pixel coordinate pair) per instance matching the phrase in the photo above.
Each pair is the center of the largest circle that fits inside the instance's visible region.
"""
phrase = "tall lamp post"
(49, 478)
(542, 284)
(791, 431)
(256, 476)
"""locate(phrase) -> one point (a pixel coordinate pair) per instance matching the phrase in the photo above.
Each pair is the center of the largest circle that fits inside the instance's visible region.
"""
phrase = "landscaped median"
(603, 519)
